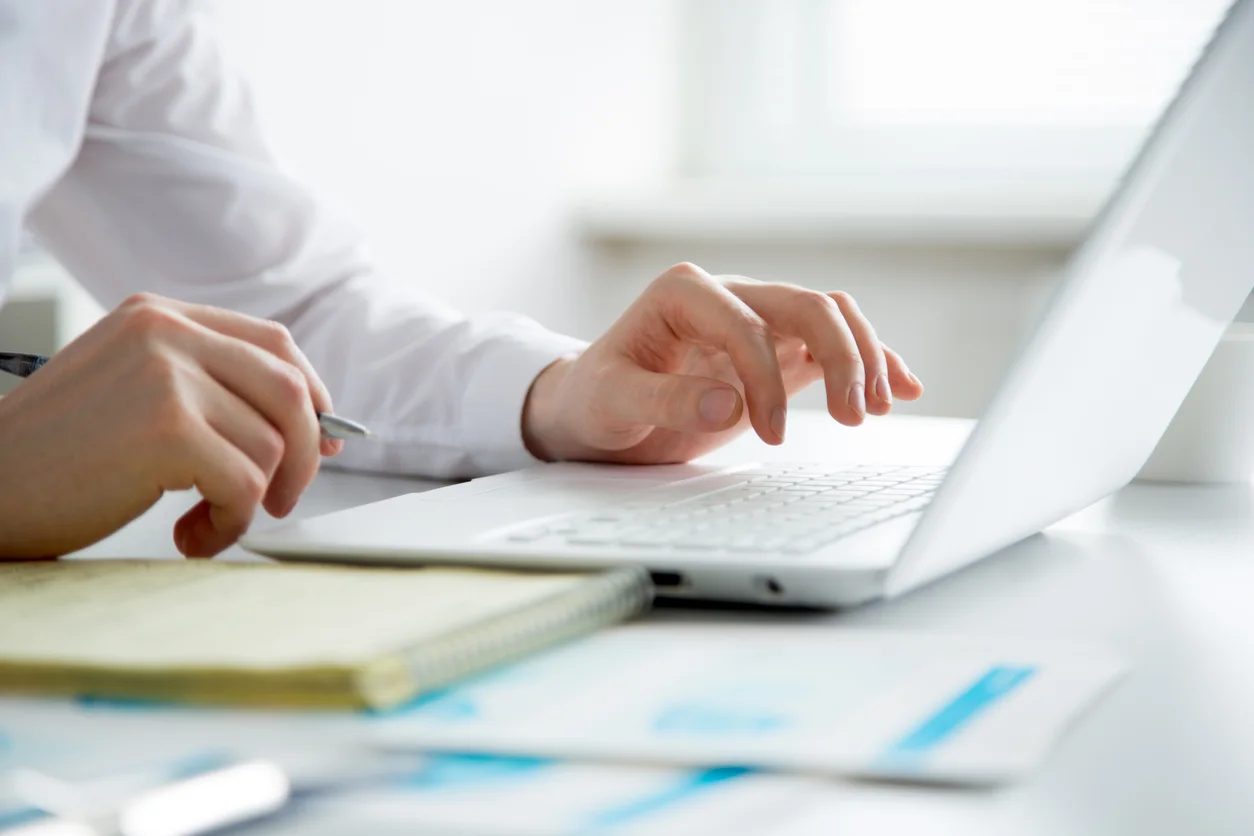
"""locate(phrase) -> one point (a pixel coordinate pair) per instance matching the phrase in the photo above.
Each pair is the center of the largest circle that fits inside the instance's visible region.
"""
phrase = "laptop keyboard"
(790, 509)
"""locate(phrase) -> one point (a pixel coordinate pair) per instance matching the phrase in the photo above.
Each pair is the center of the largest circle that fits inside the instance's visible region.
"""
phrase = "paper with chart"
(809, 698)
(106, 750)
(527, 796)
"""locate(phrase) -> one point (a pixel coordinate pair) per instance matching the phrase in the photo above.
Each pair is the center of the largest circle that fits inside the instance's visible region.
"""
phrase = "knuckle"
(753, 326)
(278, 337)
(813, 302)
(150, 318)
(665, 391)
(252, 486)
(852, 360)
(686, 269)
(172, 423)
(842, 298)
(684, 273)
(161, 373)
(290, 383)
(141, 299)
(270, 449)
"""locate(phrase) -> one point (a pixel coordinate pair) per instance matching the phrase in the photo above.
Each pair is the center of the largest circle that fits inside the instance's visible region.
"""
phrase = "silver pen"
(333, 426)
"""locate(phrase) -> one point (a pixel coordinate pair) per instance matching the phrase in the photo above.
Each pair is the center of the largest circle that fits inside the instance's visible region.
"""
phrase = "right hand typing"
(158, 396)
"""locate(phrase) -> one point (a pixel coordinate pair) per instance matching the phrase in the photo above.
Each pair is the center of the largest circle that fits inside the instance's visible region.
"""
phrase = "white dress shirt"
(131, 150)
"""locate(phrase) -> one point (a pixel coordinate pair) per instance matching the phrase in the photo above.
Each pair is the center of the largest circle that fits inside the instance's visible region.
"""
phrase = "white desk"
(1163, 574)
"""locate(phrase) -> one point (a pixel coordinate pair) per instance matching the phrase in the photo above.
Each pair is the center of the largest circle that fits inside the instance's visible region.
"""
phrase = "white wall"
(462, 133)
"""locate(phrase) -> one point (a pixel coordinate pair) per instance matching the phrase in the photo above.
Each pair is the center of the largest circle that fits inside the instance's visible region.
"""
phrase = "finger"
(879, 389)
(277, 390)
(267, 335)
(276, 339)
(817, 319)
(674, 402)
(693, 306)
(246, 430)
(232, 486)
(194, 534)
(905, 385)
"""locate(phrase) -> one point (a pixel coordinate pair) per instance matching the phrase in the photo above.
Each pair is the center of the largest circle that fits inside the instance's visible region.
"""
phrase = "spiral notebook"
(261, 634)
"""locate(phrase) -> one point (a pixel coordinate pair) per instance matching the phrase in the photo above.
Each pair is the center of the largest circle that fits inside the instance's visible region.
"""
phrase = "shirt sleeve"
(174, 191)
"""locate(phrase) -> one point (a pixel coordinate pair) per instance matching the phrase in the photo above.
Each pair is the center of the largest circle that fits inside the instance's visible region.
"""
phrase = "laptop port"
(668, 580)
(769, 584)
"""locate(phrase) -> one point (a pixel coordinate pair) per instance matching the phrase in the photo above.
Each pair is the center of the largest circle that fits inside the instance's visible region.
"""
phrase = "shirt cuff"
(493, 400)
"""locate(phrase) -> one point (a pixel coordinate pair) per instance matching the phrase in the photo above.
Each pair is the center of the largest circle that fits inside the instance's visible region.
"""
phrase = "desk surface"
(1163, 574)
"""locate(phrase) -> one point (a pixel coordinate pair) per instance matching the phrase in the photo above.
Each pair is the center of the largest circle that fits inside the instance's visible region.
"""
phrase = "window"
(912, 92)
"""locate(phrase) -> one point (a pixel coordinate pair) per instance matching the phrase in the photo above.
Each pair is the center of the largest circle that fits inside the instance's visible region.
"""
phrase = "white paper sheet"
(786, 697)
(801, 698)
(504, 796)
(445, 793)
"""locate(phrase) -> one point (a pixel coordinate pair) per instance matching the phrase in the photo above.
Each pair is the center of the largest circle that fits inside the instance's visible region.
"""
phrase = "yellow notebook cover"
(282, 635)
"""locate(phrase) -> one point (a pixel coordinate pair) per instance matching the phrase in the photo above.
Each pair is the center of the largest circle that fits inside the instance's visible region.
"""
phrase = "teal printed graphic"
(19, 815)
(713, 719)
(685, 788)
(122, 703)
(196, 764)
(20, 748)
(956, 714)
(455, 771)
(731, 706)
(452, 704)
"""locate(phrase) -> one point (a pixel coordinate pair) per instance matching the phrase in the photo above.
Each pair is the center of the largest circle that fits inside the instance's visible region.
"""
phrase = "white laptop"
(1146, 298)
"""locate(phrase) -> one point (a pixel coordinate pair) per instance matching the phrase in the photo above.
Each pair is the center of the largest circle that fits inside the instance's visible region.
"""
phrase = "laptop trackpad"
(553, 489)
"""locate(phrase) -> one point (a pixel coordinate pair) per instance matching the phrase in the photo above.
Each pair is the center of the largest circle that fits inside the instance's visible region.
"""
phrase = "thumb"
(675, 402)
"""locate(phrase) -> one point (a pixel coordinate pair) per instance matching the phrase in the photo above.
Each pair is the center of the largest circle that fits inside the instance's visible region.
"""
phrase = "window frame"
(790, 141)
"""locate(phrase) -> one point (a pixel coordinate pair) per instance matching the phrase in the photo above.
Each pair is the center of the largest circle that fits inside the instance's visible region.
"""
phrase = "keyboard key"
(767, 509)
(529, 535)
(701, 543)
(607, 517)
(648, 537)
(594, 534)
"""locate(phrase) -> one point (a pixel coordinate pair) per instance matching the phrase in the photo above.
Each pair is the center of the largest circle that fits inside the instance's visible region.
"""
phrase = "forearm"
(444, 392)
(174, 192)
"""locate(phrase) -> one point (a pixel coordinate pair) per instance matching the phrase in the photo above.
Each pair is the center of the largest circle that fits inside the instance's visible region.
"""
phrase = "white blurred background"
(937, 160)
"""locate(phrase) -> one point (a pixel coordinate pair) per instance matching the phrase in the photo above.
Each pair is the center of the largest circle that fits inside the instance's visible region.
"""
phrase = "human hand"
(697, 359)
(159, 395)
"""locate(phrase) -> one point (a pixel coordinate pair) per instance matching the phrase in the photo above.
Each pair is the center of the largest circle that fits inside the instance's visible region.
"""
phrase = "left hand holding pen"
(698, 359)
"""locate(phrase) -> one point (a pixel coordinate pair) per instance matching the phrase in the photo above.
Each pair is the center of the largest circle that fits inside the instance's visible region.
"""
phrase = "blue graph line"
(688, 786)
(456, 770)
(956, 714)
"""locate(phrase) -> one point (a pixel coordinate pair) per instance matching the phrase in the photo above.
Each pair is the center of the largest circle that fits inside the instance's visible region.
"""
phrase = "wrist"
(542, 426)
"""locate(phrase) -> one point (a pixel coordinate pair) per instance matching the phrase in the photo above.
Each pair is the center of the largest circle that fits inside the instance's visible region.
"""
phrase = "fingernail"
(779, 421)
(914, 379)
(857, 399)
(882, 390)
(717, 405)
